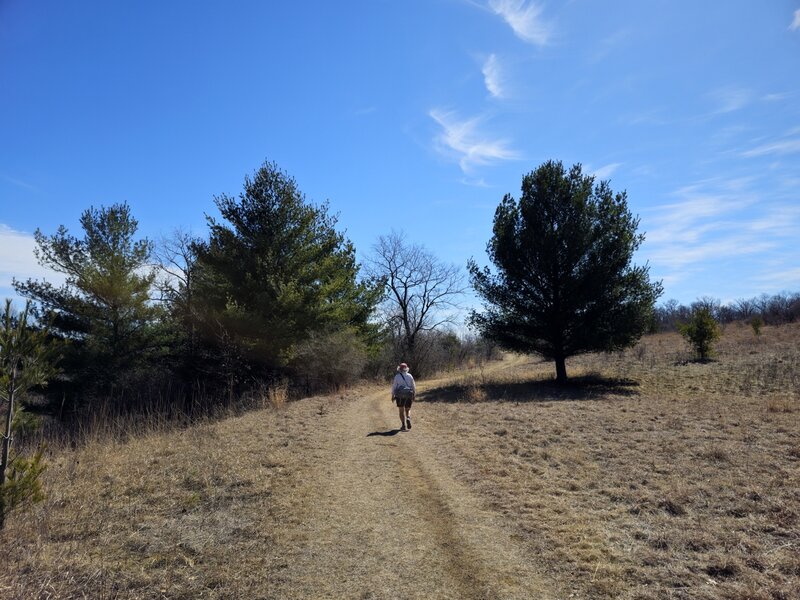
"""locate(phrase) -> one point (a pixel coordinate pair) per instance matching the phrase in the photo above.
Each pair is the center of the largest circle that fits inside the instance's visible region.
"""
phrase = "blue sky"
(415, 115)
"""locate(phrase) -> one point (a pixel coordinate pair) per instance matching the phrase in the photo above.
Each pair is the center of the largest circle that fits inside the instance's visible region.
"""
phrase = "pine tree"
(26, 360)
(564, 283)
(274, 270)
(104, 308)
(701, 332)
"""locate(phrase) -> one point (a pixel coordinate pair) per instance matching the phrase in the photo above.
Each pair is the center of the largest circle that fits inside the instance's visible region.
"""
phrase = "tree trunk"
(6, 446)
(561, 370)
(411, 352)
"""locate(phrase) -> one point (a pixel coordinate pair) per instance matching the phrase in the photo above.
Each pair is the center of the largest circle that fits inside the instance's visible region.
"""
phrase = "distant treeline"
(776, 309)
(272, 297)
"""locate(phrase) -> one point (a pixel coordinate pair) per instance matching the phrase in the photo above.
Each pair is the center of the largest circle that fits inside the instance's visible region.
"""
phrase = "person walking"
(404, 389)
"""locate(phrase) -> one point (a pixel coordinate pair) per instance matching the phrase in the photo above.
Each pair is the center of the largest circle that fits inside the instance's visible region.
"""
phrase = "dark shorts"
(403, 402)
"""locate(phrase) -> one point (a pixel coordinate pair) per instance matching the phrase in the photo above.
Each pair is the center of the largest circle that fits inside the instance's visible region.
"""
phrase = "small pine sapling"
(701, 332)
(27, 360)
(756, 322)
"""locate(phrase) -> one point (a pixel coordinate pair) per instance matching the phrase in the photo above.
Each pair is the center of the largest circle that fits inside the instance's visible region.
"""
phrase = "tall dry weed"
(475, 393)
(277, 395)
(471, 386)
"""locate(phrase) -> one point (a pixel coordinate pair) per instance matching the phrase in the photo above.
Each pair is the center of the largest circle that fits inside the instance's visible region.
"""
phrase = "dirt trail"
(379, 516)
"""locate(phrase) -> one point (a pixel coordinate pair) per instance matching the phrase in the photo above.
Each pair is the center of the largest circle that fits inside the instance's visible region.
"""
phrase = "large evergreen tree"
(564, 284)
(104, 307)
(273, 271)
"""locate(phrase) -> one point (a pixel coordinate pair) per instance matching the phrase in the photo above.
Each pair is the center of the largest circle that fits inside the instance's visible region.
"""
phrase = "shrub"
(701, 332)
(22, 486)
(756, 322)
(327, 361)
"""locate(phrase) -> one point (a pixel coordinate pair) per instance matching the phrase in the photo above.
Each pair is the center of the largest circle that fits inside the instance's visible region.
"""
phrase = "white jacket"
(402, 380)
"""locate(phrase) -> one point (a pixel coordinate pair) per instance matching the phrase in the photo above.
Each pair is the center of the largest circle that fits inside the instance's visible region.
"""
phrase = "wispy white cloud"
(17, 260)
(18, 182)
(655, 116)
(479, 182)
(493, 76)
(605, 171)
(716, 220)
(795, 21)
(778, 278)
(644, 170)
(788, 146)
(525, 19)
(463, 140)
(723, 101)
(690, 219)
(776, 97)
(730, 99)
(678, 258)
(609, 44)
(779, 220)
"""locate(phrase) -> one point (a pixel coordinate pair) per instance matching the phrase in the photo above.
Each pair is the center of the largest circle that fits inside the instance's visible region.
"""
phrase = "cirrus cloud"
(715, 221)
(492, 76)
(464, 140)
(525, 19)
(605, 171)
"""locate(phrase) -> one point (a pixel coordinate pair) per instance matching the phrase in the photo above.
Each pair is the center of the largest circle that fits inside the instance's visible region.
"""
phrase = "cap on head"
(402, 366)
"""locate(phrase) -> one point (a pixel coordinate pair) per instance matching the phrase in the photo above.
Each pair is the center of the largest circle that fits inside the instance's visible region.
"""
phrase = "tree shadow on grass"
(695, 361)
(587, 387)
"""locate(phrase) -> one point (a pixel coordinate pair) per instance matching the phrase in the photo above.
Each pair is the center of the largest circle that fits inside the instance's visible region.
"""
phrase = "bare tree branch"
(421, 290)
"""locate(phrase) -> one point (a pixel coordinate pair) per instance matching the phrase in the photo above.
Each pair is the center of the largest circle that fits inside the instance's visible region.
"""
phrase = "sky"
(414, 116)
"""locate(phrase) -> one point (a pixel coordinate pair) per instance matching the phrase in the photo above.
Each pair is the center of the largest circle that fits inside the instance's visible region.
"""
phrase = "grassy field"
(650, 476)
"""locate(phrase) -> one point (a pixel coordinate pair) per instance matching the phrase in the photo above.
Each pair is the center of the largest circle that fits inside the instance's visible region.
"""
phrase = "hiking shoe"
(403, 428)
(408, 422)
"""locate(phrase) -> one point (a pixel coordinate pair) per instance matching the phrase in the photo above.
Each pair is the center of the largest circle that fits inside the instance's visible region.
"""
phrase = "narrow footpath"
(379, 516)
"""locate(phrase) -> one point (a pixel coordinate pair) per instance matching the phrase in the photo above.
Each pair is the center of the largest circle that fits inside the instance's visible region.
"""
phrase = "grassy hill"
(650, 476)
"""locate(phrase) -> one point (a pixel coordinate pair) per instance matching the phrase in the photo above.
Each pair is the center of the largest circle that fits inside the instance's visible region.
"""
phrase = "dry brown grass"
(654, 476)
(165, 514)
(651, 476)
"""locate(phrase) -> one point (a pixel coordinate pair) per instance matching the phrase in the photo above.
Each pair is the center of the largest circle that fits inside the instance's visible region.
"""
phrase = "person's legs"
(402, 415)
(408, 417)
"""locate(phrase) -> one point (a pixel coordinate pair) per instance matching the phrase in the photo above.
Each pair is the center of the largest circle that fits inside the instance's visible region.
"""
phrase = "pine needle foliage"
(273, 271)
(565, 283)
(701, 332)
(27, 360)
(104, 307)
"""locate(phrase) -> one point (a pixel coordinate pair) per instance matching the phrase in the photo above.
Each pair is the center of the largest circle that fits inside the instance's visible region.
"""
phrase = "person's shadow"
(385, 433)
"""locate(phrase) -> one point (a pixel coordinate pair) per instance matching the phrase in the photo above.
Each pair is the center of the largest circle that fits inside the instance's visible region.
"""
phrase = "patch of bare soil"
(380, 518)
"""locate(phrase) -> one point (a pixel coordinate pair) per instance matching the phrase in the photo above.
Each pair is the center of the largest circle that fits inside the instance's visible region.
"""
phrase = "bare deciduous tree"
(176, 258)
(422, 292)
